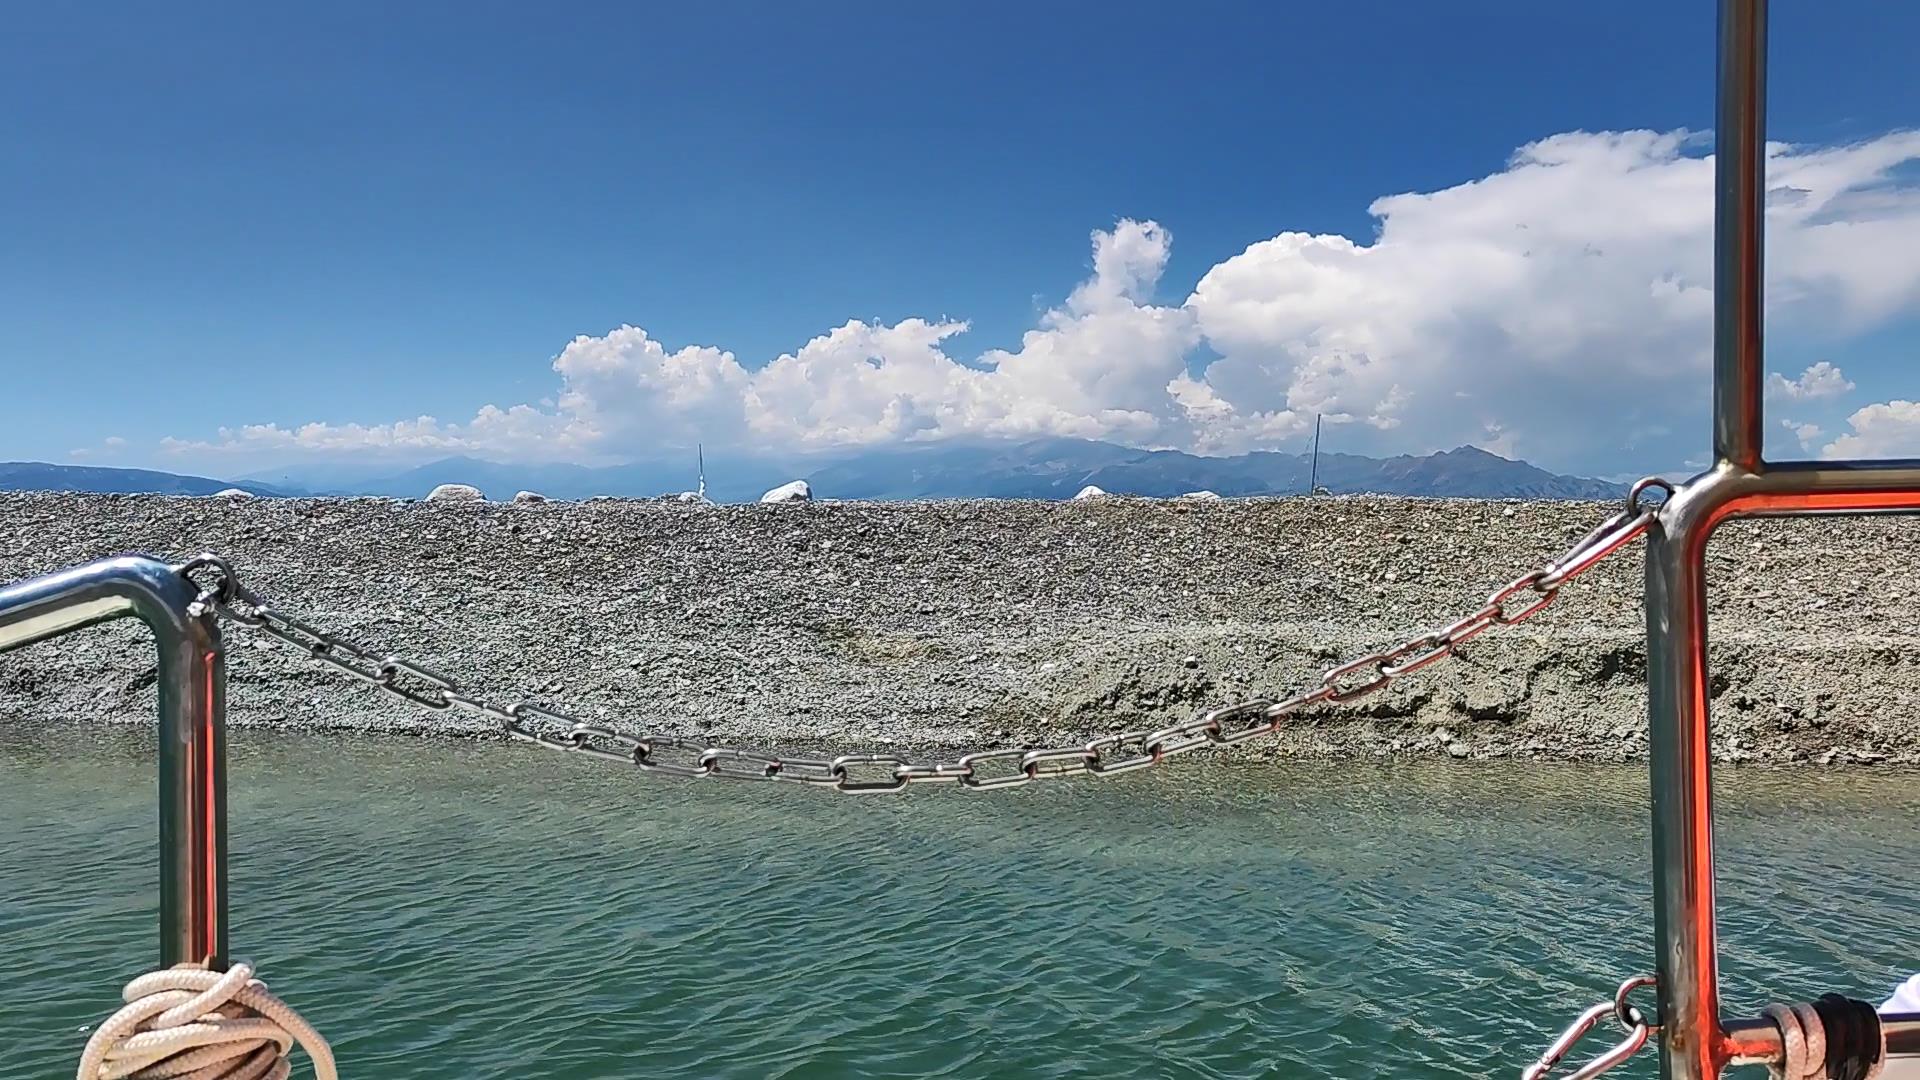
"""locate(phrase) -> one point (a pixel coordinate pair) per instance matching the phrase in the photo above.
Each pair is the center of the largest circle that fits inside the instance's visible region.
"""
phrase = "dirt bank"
(997, 623)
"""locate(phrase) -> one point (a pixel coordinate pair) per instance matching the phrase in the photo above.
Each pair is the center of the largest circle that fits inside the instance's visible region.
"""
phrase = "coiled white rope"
(1803, 1038)
(1803, 1042)
(188, 1023)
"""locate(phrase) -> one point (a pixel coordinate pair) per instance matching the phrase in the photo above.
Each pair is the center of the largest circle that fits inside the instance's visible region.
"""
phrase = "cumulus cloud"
(1890, 429)
(109, 446)
(1552, 300)
(1559, 308)
(1099, 366)
(1822, 380)
(492, 428)
(1807, 434)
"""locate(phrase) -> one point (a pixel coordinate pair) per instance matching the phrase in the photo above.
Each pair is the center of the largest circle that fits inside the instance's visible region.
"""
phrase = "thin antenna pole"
(700, 458)
(1313, 470)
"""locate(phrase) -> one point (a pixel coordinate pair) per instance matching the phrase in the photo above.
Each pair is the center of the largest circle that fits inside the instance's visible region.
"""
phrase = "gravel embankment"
(996, 623)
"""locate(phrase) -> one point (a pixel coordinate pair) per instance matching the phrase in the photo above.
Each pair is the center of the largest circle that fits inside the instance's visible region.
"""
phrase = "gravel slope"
(996, 623)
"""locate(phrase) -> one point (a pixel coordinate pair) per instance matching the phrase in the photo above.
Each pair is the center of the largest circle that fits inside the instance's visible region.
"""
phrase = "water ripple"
(448, 911)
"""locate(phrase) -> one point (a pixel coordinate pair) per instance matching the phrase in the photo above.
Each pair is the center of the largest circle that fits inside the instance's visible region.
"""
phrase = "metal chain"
(1514, 603)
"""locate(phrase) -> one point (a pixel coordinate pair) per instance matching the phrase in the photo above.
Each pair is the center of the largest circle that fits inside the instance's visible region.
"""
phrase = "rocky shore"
(982, 623)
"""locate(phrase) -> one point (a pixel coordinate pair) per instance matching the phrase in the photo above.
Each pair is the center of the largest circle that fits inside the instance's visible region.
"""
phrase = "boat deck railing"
(1695, 1041)
(193, 748)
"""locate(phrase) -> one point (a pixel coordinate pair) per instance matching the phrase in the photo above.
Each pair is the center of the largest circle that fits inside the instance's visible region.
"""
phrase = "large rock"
(456, 493)
(798, 491)
(1200, 496)
(1091, 492)
(528, 497)
(233, 493)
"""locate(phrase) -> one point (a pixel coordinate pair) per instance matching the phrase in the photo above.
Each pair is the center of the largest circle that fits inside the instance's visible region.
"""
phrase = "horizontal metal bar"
(1828, 487)
(1793, 488)
(192, 706)
(1857, 466)
(1757, 1042)
(49, 607)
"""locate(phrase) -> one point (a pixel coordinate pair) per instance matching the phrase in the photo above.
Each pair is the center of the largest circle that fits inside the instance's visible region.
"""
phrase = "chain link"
(1511, 604)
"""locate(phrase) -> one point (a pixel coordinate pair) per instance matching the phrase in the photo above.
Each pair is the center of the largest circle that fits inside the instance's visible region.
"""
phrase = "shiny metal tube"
(1680, 768)
(1757, 1041)
(193, 761)
(1814, 487)
(1739, 219)
(1693, 1045)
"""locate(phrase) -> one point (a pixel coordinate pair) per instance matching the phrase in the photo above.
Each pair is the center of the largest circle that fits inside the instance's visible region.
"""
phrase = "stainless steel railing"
(1694, 1043)
(1757, 1041)
(193, 753)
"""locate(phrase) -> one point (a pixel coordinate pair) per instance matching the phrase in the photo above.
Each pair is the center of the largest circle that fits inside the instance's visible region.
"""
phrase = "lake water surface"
(461, 911)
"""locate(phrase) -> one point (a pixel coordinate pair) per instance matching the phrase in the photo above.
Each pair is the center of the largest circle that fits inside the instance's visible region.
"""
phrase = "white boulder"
(1091, 492)
(1200, 496)
(798, 491)
(528, 497)
(696, 497)
(233, 493)
(455, 493)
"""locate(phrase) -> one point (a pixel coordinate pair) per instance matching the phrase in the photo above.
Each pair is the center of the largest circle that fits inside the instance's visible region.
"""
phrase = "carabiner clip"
(1631, 1018)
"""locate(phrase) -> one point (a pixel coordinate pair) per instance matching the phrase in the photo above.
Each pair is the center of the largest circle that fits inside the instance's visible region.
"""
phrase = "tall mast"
(700, 458)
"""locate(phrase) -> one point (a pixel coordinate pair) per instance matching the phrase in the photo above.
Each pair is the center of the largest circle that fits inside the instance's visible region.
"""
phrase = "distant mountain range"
(39, 476)
(1036, 469)
(1056, 468)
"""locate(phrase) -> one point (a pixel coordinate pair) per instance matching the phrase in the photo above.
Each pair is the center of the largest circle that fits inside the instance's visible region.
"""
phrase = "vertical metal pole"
(1313, 471)
(1739, 218)
(1681, 773)
(193, 747)
(193, 797)
(1681, 766)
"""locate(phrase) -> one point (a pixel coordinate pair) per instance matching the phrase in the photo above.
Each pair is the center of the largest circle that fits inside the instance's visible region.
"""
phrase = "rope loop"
(1834, 1038)
(193, 1024)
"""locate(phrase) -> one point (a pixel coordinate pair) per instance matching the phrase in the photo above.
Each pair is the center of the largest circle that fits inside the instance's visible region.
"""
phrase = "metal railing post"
(1695, 1043)
(1680, 764)
(1739, 233)
(192, 692)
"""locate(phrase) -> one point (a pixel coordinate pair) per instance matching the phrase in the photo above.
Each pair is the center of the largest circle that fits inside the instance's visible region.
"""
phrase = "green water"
(491, 911)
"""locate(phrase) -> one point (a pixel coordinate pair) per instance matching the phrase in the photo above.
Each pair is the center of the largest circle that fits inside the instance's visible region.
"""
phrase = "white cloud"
(521, 427)
(109, 446)
(1554, 300)
(1886, 430)
(1100, 367)
(1558, 308)
(1822, 380)
(1807, 434)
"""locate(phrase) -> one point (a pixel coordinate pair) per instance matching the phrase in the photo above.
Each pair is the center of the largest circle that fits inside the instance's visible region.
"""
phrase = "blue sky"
(225, 216)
